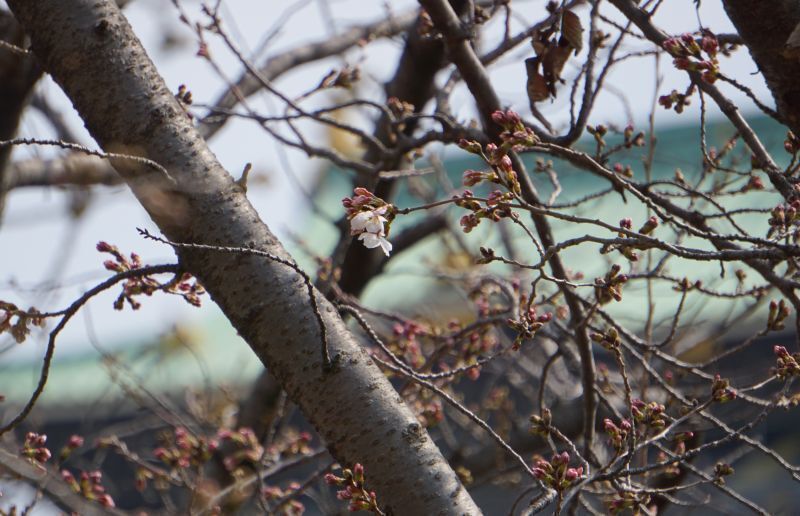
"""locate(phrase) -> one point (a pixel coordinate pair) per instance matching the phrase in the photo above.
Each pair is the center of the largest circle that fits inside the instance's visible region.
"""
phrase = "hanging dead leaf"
(540, 40)
(572, 30)
(538, 46)
(537, 85)
(552, 63)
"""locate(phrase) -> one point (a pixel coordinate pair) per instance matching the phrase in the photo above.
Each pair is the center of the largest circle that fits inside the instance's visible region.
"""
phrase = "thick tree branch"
(71, 170)
(91, 51)
(765, 28)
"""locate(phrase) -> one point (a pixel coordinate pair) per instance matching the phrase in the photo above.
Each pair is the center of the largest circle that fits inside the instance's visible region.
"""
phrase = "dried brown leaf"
(537, 85)
(552, 63)
(572, 30)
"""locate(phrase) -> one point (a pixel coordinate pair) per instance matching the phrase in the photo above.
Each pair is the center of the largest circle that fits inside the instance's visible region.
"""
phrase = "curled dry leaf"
(552, 63)
(537, 85)
(572, 30)
(552, 54)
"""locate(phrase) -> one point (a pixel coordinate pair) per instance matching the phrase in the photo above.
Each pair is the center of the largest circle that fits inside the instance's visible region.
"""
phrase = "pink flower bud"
(104, 247)
(75, 441)
(780, 351)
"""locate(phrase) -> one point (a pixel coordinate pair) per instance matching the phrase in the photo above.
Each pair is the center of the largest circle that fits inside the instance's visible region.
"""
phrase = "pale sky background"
(38, 243)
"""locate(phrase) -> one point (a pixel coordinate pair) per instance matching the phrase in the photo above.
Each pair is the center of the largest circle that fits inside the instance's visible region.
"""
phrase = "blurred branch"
(276, 66)
(71, 170)
(50, 483)
(18, 74)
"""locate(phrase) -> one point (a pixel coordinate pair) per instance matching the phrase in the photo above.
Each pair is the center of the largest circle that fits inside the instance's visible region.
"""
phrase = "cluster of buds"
(527, 324)
(670, 469)
(187, 287)
(35, 449)
(609, 339)
(246, 449)
(618, 434)
(688, 54)
(686, 285)
(721, 390)
(631, 139)
(467, 346)
(623, 170)
(370, 218)
(556, 473)
(650, 415)
(74, 442)
(292, 507)
(785, 220)
(496, 208)
(400, 109)
(598, 132)
(778, 312)
(354, 490)
(185, 450)
(722, 470)
(502, 169)
(787, 365)
(144, 285)
(677, 100)
(406, 342)
(90, 486)
(120, 263)
(791, 143)
(609, 287)
(428, 409)
(294, 444)
(540, 425)
(754, 183)
(21, 327)
(629, 251)
(627, 500)
(515, 135)
(680, 441)
(184, 96)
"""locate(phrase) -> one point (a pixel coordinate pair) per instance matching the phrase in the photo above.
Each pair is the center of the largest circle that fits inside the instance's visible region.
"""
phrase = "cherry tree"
(577, 375)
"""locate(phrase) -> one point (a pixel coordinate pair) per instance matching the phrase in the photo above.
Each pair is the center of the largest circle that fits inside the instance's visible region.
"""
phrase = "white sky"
(38, 243)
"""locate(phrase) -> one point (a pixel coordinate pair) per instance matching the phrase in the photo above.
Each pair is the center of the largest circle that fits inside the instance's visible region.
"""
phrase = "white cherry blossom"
(370, 228)
(372, 240)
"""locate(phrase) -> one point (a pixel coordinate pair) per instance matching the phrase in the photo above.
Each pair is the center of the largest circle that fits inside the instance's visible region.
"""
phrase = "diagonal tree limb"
(91, 51)
(765, 28)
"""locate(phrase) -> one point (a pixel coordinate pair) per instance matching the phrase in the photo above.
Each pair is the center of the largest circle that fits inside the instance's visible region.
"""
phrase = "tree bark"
(92, 53)
(765, 28)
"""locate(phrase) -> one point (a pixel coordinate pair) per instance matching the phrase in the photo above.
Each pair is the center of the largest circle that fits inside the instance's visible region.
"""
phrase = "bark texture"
(90, 50)
(765, 28)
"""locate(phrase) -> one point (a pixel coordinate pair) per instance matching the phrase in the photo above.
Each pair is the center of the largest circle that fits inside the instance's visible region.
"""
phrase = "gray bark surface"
(92, 53)
(765, 28)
